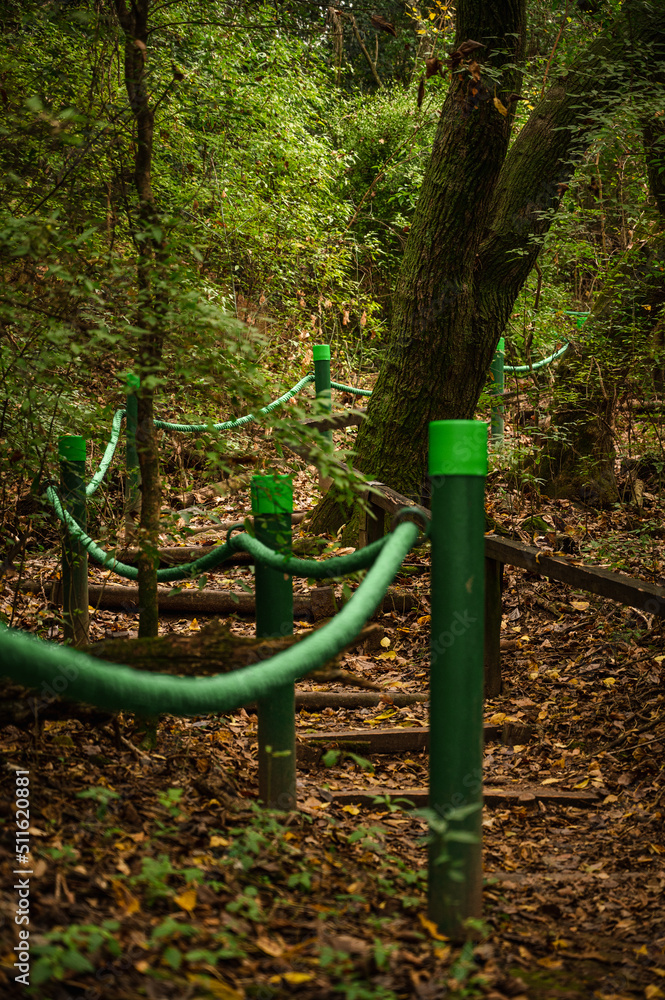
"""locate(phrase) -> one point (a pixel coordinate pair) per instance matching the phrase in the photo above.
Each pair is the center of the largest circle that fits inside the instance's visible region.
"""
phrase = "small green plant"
(153, 878)
(332, 757)
(102, 796)
(62, 855)
(62, 951)
(369, 837)
(170, 800)
(393, 805)
(248, 905)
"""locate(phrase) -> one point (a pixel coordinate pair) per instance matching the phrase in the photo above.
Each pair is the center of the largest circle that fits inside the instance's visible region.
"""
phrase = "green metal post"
(496, 372)
(322, 379)
(272, 506)
(457, 467)
(71, 451)
(132, 496)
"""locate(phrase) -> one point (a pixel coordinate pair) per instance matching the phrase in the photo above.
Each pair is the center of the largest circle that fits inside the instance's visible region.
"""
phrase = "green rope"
(314, 569)
(351, 388)
(538, 364)
(107, 457)
(228, 425)
(79, 677)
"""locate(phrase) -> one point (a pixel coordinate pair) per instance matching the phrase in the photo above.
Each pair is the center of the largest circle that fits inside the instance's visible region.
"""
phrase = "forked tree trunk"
(479, 226)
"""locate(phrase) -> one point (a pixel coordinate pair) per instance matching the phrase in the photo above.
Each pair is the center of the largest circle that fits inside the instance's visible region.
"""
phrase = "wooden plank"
(391, 501)
(492, 796)
(616, 586)
(493, 578)
(395, 739)
(337, 421)
(316, 701)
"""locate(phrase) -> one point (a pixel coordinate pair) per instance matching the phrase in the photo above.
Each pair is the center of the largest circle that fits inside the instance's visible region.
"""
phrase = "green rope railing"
(537, 364)
(228, 425)
(119, 415)
(107, 457)
(114, 687)
(351, 388)
(314, 569)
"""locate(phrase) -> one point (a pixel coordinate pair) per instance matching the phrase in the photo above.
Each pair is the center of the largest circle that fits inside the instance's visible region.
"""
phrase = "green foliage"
(100, 794)
(62, 951)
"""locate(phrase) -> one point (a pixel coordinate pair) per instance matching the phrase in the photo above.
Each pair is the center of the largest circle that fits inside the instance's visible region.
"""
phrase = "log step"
(492, 796)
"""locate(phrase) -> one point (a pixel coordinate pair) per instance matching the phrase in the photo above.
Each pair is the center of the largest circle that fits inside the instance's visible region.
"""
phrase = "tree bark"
(133, 20)
(479, 226)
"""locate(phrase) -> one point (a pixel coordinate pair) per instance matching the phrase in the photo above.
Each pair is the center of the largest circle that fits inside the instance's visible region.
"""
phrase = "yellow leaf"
(551, 781)
(501, 108)
(652, 992)
(431, 928)
(579, 605)
(550, 962)
(385, 642)
(609, 681)
(295, 978)
(643, 951)
(194, 626)
(389, 655)
(214, 987)
(659, 659)
(382, 717)
(270, 947)
(582, 784)
(313, 803)
(498, 718)
(424, 619)
(186, 900)
(219, 841)
(124, 898)
(351, 810)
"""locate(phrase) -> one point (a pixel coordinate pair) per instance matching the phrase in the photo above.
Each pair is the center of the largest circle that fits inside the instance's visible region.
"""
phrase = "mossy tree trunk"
(479, 226)
(133, 18)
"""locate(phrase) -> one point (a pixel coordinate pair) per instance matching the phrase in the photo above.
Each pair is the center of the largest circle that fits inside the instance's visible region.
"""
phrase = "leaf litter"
(157, 875)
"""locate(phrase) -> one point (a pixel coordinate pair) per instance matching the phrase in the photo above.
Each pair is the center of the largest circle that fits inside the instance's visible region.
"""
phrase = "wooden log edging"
(316, 604)
(525, 796)
(619, 587)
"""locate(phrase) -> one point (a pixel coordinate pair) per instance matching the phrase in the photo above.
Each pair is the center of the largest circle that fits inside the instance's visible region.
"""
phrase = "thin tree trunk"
(150, 318)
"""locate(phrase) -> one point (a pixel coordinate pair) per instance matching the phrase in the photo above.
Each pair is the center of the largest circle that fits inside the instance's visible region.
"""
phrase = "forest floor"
(155, 873)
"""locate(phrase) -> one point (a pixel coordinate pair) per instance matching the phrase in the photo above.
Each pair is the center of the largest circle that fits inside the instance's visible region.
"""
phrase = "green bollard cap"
(457, 448)
(72, 448)
(132, 381)
(272, 494)
(321, 352)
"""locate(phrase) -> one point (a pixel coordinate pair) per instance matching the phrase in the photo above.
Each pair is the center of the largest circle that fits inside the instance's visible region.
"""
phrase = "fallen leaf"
(431, 928)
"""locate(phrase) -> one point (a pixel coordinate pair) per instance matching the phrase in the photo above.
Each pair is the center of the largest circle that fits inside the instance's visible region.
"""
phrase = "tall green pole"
(132, 498)
(272, 506)
(496, 371)
(71, 452)
(457, 468)
(322, 379)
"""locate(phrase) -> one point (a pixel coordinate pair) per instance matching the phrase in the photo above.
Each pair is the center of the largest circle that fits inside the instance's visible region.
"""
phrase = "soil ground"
(155, 873)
